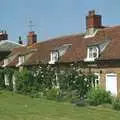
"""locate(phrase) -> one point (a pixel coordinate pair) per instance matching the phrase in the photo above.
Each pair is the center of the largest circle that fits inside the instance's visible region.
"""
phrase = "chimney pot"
(3, 35)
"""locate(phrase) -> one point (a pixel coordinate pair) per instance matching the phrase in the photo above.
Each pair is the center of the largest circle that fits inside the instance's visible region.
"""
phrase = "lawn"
(18, 107)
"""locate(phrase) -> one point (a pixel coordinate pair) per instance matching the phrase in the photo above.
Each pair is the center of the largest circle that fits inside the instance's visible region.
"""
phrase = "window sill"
(52, 62)
(89, 59)
(19, 64)
(4, 65)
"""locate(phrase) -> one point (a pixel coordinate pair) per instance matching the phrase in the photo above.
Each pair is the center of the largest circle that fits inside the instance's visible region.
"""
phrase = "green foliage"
(37, 82)
(52, 94)
(116, 103)
(9, 72)
(2, 82)
(44, 78)
(80, 103)
(97, 96)
(34, 82)
(36, 94)
(69, 96)
(24, 81)
(74, 80)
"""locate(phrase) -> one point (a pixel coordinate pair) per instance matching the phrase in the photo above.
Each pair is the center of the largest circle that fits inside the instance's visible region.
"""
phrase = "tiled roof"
(7, 45)
(44, 49)
(14, 62)
(112, 50)
(78, 51)
(79, 46)
(15, 53)
(21, 51)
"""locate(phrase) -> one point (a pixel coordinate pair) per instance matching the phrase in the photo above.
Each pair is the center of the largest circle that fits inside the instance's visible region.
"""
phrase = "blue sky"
(53, 18)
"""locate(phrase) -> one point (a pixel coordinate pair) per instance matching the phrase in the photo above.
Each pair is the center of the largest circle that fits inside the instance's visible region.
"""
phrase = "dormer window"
(53, 57)
(59, 51)
(92, 53)
(5, 62)
(21, 60)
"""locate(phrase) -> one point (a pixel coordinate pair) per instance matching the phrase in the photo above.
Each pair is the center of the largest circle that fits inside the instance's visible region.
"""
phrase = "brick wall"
(105, 71)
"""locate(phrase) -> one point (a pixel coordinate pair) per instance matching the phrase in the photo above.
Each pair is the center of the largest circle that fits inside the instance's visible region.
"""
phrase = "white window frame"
(97, 80)
(90, 54)
(5, 62)
(21, 60)
(53, 57)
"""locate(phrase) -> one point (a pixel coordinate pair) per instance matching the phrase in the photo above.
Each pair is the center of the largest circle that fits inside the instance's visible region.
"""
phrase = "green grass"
(18, 107)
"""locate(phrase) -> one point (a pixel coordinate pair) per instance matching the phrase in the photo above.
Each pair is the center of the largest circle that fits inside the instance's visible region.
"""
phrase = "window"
(53, 57)
(97, 80)
(59, 51)
(92, 53)
(21, 60)
(5, 62)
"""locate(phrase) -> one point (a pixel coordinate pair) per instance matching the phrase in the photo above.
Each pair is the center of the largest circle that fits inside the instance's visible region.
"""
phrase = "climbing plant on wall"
(2, 83)
(44, 78)
(9, 72)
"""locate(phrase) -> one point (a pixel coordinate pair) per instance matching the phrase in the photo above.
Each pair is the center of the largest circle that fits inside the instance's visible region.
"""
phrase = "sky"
(53, 18)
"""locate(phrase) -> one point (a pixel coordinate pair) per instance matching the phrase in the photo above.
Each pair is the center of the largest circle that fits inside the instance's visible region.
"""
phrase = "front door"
(111, 83)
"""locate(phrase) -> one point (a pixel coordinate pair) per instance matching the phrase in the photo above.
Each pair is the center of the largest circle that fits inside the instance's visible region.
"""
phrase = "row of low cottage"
(96, 50)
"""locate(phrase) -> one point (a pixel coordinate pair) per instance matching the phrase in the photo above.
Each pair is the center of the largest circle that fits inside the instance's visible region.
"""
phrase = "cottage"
(6, 46)
(96, 50)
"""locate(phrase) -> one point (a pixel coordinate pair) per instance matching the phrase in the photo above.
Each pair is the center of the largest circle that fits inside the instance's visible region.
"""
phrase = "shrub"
(69, 96)
(80, 103)
(74, 80)
(2, 82)
(9, 72)
(116, 103)
(52, 94)
(36, 94)
(97, 96)
(24, 82)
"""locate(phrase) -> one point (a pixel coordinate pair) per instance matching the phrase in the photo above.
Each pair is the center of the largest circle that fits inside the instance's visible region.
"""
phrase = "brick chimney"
(32, 38)
(93, 21)
(3, 35)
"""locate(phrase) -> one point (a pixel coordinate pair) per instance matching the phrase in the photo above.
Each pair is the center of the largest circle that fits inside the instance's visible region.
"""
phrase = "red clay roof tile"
(78, 49)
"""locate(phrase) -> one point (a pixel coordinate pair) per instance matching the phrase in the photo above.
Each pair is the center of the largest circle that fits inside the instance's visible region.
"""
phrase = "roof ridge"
(64, 36)
(110, 27)
(16, 43)
(4, 41)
